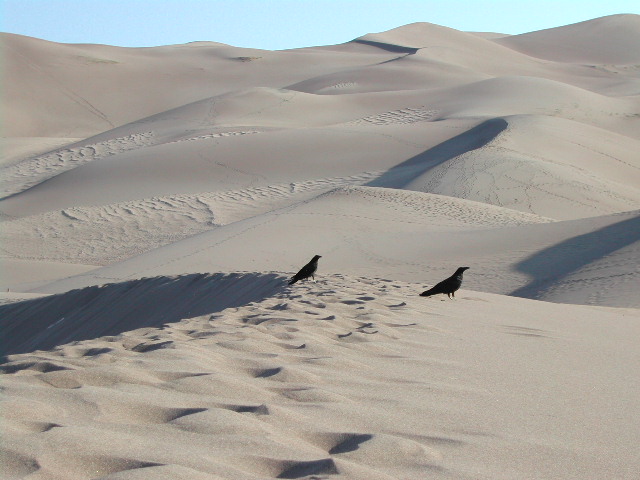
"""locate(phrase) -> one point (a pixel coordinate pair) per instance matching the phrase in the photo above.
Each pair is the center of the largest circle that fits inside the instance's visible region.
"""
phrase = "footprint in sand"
(314, 304)
(92, 352)
(280, 306)
(288, 346)
(261, 409)
(308, 469)
(352, 302)
(267, 320)
(197, 334)
(349, 443)
(150, 347)
(398, 305)
(366, 328)
(268, 372)
(37, 366)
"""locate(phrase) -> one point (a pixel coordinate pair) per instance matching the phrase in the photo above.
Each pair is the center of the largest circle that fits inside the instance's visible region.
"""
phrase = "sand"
(155, 201)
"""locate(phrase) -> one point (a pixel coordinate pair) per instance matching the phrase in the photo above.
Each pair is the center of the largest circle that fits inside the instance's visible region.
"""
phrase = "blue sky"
(280, 24)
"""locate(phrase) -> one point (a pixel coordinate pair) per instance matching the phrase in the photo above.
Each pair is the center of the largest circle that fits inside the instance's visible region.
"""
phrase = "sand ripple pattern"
(28, 173)
(217, 135)
(110, 233)
(436, 210)
(405, 115)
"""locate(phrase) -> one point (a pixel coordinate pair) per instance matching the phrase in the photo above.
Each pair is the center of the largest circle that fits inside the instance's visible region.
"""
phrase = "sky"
(281, 24)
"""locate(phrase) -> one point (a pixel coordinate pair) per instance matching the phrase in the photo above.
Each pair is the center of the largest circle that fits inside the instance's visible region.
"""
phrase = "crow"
(448, 286)
(307, 271)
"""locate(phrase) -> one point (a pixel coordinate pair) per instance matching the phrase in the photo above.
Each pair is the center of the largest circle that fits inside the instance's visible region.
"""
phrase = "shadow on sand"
(404, 173)
(550, 265)
(110, 309)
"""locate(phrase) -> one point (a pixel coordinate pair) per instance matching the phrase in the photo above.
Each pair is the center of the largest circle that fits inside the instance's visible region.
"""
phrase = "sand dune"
(154, 202)
(104, 234)
(96, 87)
(146, 158)
(502, 162)
(409, 236)
(607, 40)
(85, 314)
(350, 377)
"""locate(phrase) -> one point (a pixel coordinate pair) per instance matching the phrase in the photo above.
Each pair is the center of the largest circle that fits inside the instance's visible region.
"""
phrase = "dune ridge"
(276, 388)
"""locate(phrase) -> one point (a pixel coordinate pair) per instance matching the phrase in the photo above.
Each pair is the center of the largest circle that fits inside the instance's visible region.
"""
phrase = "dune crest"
(608, 40)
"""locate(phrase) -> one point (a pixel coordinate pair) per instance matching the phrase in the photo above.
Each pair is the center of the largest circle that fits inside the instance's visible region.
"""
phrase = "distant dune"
(154, 202)
(611, 40)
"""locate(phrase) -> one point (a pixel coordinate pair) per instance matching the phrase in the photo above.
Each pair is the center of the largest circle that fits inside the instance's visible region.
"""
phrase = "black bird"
(448, 286)
(307, 271)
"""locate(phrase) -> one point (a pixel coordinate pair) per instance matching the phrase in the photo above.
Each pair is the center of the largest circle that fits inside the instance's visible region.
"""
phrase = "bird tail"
(293, 280)
(427, 293)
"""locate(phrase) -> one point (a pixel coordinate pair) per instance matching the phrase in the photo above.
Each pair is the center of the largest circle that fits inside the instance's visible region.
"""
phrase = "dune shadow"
(91, 312)
(550, 265)
(404, 173)
(389, 47)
